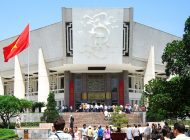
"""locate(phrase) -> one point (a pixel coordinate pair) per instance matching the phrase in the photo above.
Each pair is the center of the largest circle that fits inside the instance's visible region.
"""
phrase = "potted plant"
(118, 119)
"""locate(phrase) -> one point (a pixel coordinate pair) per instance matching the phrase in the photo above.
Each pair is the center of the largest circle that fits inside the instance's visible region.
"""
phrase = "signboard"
(96, 96)
(84, 95)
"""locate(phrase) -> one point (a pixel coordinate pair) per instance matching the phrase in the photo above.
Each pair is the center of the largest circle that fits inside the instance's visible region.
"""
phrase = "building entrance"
(101, 88)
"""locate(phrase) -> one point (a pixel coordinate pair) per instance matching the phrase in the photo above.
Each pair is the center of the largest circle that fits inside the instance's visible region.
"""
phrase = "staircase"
(88, 118)
(95, 118)
(134, 118)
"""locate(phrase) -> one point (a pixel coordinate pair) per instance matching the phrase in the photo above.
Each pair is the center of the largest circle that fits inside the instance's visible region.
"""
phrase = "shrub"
(30, 124)
(11, 126)
(118, 119)
(7, 133)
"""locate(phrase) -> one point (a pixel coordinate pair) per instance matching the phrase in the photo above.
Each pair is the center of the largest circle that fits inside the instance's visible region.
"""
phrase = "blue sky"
(165, 15)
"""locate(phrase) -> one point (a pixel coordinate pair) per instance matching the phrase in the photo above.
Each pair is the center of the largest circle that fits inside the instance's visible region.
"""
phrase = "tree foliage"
(24, 104)
(51, 113)
(177, 54)
(170, 99)
(186, 36)
(175, 57)
(9, 107)
(38, 105)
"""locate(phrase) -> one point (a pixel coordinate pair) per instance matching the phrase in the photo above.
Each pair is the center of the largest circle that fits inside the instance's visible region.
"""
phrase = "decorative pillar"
(150, 68)
(19, 87)
(1, 86)
(126, 87)
(43, 78)
(67, 87)
(84, 87)
(121, 92)
(108, 89)
(71, 93)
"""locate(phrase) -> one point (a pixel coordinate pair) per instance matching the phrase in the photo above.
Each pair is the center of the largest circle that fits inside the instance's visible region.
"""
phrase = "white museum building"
(92, 55)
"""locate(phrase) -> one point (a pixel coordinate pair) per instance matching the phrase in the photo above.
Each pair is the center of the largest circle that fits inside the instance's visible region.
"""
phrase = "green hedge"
(30, 124)
(11, 126)
(7, 133)
(172, 122)
(23, 124)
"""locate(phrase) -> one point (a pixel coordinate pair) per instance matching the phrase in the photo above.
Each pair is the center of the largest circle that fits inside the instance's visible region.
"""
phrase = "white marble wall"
(144, 37)
(97, 36)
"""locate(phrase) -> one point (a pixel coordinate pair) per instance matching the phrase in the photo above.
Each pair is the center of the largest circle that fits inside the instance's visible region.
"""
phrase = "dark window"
(130, 84)
(114, 85)
(62, 82)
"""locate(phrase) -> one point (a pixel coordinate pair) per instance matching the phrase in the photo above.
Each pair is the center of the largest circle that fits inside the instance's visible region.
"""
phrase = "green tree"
(38, 105)
(51, 113)
(171, 98)
(25, 104)
(186, 35)
(9, 107)
(177, 54)
(167, 99)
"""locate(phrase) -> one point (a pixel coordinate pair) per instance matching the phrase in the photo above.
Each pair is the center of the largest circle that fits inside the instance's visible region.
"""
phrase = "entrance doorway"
(100, 88)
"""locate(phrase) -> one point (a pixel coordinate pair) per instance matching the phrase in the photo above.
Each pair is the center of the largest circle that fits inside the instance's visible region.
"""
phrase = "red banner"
(121, 92)
(71, 93)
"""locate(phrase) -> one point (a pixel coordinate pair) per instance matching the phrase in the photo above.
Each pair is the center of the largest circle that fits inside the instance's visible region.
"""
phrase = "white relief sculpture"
(99, 28)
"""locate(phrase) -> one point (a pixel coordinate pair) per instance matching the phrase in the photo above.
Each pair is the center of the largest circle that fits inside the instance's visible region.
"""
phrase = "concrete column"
(108, 86)
(84, 83)
(84, 80)
(43, 78)
(1, 86)
(66, 85)
(150, 68)
(19, 87)
(131, 22)
(126, 87)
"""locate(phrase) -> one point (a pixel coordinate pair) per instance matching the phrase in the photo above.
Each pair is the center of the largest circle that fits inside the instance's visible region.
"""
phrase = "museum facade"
(92, 55)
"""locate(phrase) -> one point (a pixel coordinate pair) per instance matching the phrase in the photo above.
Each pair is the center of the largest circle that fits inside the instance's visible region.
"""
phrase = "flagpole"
(28, 79)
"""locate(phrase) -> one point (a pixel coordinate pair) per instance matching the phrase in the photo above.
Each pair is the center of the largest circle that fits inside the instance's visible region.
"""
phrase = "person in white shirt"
(179, 130)
(141, 132)
(106, 115)
(105, 107)
(18, 121)
(136, 133)
(96, 108)
(58, 127)
(128, 132)
(147, 132)
(84, 131)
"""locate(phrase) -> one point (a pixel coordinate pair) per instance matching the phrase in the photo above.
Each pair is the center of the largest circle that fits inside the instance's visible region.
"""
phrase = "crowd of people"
(136, 132)
(157, 132)
(95, 107)
(86, 133)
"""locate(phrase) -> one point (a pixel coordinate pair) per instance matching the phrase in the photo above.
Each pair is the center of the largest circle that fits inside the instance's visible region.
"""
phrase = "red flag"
(18, 45)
